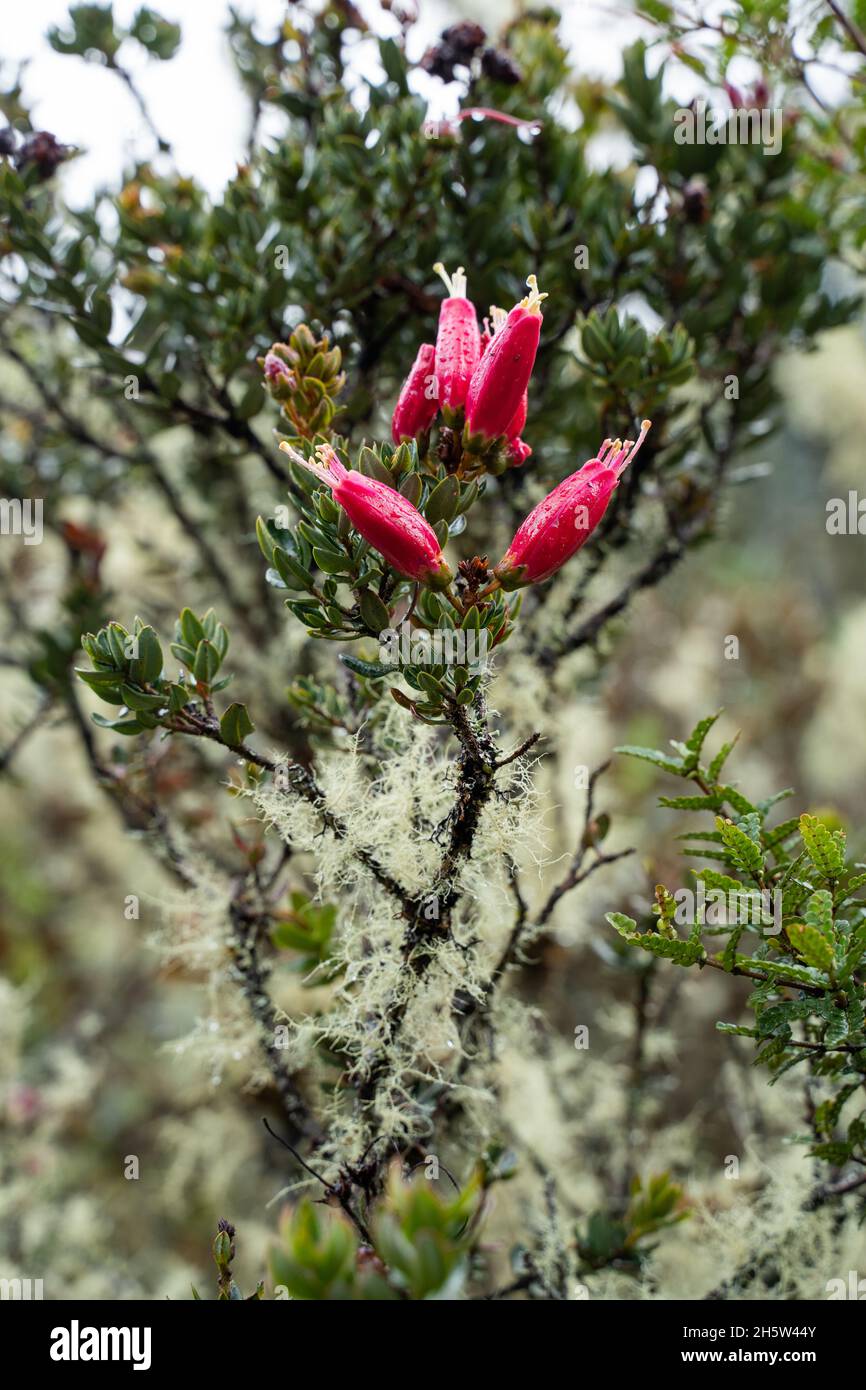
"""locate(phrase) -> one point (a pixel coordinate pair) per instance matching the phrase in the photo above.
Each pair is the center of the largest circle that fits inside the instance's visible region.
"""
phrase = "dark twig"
(577, 874)
(129, 83)
(854, 32)
(301, 781)
(518, 752)
(28, 728)
(76, 429)
(656, 568)
(249, 920)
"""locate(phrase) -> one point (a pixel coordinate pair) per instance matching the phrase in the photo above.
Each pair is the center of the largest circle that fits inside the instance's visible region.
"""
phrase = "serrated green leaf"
(825, 847)
(626, 926)
(809, 943)
(743, 850)
(695, 740)
(651, 755)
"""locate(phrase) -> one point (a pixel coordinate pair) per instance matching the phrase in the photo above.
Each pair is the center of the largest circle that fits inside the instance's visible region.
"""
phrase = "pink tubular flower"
(566, 517)
(518, 450)
(417, 403)
(518, 419)
(500, 380)
(458, 342)
(383, 516)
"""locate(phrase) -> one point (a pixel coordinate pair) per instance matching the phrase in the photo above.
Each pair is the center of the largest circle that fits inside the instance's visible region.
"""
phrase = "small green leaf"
(819, 914)
(672, 948)
(826, 848)
(290, 570)
(626, 926)
(443, 500)
(373, 467)
(207, 662)
(411, 488)
(127, 727)
(99, 680)
(715, 768)
(330, 561)
(147, 666)
(691, 803)
(371, 670)
(265, 539)
(191, 629)
(374, 612)
(140, 700)
(178, 696)
(185, 655)
(235, 725)
(745, 853)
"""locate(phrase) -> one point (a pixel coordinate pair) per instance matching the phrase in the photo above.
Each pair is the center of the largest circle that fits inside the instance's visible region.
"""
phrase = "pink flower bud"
(417, 403)
(279, 378)
(561, 523)
(382, 515)
(518, 452)
(458, 342)
(276, 369)
(500, 380)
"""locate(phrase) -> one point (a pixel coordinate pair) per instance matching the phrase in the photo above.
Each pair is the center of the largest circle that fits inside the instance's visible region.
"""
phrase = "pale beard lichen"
(400, 809)
(197, 938)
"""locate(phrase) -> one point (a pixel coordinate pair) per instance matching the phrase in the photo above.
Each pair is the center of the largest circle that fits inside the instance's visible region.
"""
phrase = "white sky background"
(197, 102)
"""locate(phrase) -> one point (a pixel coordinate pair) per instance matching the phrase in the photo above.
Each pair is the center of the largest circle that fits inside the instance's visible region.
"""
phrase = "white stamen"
(455, 284)
(326, 455)
(630, 449)
(535, 296)
(497, 318)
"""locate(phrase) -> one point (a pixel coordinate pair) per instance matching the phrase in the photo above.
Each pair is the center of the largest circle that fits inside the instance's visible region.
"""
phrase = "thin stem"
(576, 873)
(28, 728)
(854, 32)
(131, 86)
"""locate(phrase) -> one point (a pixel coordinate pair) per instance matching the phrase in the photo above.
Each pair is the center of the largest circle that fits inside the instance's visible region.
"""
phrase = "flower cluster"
(478, 382)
